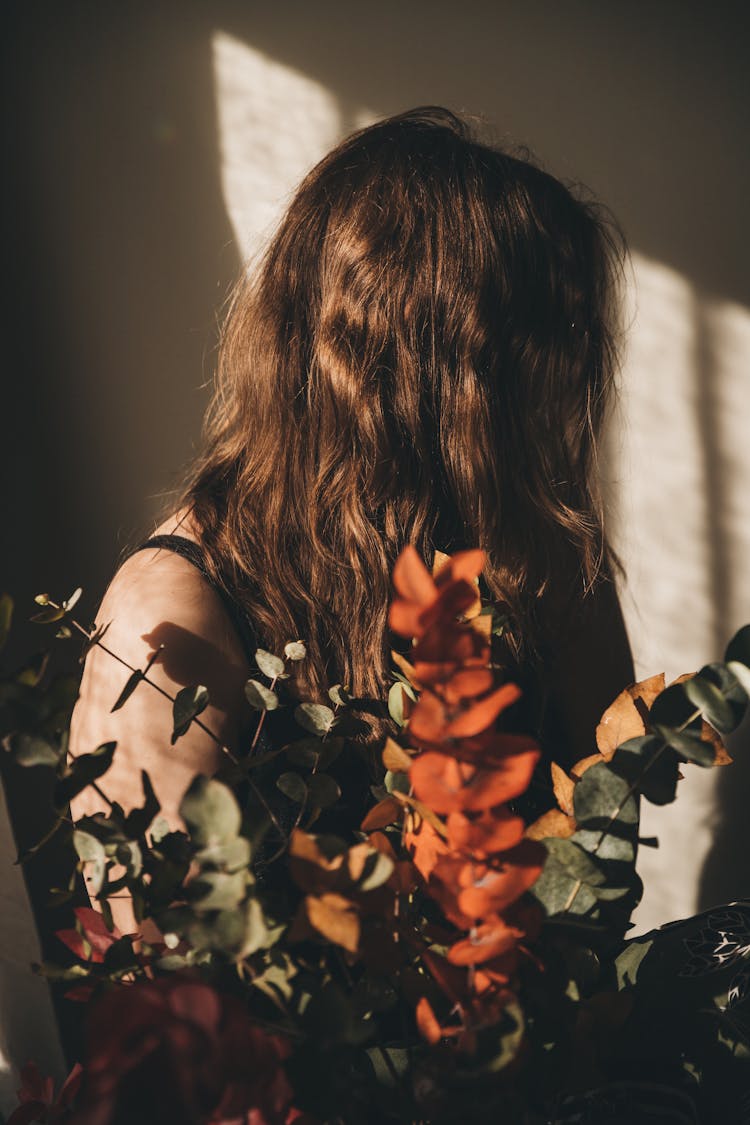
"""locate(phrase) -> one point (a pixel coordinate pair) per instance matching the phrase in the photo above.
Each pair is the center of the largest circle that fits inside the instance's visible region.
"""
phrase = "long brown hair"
(422, 356)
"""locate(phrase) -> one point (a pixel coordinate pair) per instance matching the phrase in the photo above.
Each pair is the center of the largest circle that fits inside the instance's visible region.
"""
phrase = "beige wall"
(151, 146)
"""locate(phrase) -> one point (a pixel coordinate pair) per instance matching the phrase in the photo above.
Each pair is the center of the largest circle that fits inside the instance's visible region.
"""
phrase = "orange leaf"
(336, 918)
(482, 623)
(492, 939)
(412, 579)
(427, 1022)
(552, 823)
(721, 754)
(404, 618)
(425, 845)
(466, 565)
(480, 715)
(430, 720)
(382, 844)
(486, 834)
(424, 811)
(381, 815)
(467, 683)
(490, 890)
(447, 785)
(563, 787)
(624, 718)
(395, 758)
(308, 866)
(447, 642)
(404, 666)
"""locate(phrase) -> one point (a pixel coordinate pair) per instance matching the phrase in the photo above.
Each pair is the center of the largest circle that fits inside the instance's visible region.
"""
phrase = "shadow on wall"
(121, 257)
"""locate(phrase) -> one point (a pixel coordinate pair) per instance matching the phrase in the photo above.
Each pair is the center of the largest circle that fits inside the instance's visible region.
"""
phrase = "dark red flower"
(37, 1100)
(175, 1050)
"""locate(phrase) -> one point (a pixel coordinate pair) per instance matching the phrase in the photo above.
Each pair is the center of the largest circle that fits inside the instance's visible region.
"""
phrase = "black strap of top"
(191, 551)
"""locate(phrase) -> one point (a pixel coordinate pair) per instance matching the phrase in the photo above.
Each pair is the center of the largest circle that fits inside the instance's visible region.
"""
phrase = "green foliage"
(211, 812)
(275, 924)
(260, 697)
(188, 704)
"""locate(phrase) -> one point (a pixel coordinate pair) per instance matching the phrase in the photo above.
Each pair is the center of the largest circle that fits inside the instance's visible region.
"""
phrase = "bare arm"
(158, 598)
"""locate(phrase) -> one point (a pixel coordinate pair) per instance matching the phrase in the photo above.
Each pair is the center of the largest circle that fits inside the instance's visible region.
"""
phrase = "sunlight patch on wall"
(274, 124)
(678, 472)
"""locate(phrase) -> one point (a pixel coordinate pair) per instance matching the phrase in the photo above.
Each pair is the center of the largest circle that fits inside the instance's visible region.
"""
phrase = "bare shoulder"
(160, 610)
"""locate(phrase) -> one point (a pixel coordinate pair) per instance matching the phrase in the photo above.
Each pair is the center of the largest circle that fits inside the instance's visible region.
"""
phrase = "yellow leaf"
(424, 811)
(624, 718)
(552, 823)
(439, 560)
(563, 787)
(395, 758)
(404, 666)
(336, 918)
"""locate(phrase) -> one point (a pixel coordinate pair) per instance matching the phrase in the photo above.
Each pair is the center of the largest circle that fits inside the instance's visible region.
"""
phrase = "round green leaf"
(260, 697)
(33, 750)
(741, 673)
(210, 811)
(315, 717)
(293, 787)
(270, 665)
(295, 650)
(188, 704)
(672, 708)
(339, 695)
(715, 709)
(647, 762)
(217, 890)
(738, 648)
(690, 746)
(323, 791)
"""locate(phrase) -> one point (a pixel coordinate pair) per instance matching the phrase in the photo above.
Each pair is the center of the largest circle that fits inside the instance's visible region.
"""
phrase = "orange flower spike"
(485, 835)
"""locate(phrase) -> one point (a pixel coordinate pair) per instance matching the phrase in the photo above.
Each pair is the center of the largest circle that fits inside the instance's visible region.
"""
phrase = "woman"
(424, 356)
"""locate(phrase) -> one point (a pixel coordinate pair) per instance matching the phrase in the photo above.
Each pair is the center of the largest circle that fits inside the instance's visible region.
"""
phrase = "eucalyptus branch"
(93, 640)
(261, 719)
(630, 792)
